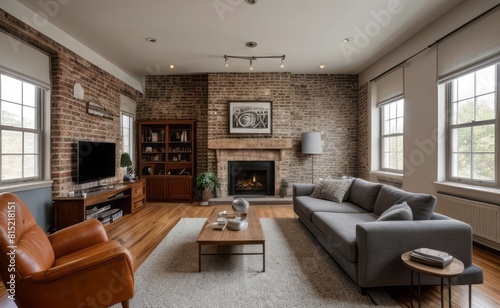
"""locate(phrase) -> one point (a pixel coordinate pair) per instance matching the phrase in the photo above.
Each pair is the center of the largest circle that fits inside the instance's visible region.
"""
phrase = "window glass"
(20, 107)
(128, 134)
(473, 127)
(392, 129)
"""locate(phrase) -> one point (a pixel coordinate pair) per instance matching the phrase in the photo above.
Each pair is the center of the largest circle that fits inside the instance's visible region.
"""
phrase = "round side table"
(454, 269)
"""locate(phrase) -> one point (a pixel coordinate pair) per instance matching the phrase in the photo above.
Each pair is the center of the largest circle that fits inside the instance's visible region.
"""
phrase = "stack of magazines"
(431, 257)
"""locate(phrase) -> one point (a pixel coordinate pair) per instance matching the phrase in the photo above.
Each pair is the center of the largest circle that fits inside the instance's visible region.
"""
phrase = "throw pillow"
(333, 190)
(401, 211)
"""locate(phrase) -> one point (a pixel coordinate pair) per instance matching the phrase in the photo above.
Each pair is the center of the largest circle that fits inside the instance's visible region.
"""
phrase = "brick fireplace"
(249, 149)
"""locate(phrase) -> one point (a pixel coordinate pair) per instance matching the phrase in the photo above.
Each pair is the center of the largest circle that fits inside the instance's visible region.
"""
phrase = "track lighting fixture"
(253, 58)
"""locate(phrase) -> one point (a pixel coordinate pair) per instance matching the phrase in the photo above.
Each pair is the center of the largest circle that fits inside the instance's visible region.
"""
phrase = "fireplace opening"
(251, 178)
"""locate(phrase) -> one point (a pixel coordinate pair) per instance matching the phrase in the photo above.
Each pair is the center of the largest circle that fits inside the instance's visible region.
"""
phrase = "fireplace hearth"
(251, 178)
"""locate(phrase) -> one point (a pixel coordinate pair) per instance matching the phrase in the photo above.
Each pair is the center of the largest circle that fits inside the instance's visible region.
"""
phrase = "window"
(392, 127)
(20, 129)
(472, 126)
(128, 134)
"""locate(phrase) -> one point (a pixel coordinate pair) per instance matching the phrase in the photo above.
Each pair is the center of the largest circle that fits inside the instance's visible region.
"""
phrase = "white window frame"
(384, 135)
(450, 126)
(39, 130)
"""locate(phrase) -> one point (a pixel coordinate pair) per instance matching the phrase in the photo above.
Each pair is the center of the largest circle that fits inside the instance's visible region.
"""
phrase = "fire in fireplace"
(251, 178)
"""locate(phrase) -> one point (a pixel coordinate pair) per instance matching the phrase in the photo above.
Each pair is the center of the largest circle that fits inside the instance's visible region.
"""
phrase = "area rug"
(299, 273)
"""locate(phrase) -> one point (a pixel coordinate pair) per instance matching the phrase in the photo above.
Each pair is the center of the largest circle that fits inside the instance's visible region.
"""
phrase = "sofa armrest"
(303, 189)
(380, 245)
(77, 237)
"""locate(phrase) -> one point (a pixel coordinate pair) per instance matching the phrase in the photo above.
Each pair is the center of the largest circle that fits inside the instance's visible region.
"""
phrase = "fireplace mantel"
(238, 144)
(250, 143)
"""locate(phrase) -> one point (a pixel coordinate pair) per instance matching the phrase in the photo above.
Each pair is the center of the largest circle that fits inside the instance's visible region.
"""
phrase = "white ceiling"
(194, 35)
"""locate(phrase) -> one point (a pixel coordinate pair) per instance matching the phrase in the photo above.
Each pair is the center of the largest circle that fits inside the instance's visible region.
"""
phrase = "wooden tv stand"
(129, 197)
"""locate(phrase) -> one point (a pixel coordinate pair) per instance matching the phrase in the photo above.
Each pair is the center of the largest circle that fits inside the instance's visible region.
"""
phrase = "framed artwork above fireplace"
(250, 118)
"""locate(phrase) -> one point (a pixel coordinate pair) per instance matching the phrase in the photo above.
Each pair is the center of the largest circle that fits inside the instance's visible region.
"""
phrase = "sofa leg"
(125, 304)
(364, 292)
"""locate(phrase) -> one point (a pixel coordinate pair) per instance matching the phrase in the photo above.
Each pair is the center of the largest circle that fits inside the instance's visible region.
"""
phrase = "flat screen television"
(96, 161)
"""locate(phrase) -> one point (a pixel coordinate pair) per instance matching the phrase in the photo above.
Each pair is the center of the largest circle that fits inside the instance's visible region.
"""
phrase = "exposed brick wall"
(178, 97)
(363, 148)
(326, 103)
(70, 121)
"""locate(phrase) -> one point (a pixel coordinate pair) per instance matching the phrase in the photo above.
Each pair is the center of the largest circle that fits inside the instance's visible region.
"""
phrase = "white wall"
(421, 145)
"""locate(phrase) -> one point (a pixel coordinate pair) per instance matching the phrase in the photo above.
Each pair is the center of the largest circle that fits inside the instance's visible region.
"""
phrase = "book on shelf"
(431, 257)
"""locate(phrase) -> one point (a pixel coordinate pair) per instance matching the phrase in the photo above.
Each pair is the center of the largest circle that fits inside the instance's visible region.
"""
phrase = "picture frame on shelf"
(250, 117)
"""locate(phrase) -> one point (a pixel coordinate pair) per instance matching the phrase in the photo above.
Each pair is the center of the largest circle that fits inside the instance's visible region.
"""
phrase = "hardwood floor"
(142, 232)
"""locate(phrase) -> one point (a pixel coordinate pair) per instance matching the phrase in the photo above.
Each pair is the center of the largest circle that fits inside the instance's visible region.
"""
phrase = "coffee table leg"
(264, 257)
(199, 257)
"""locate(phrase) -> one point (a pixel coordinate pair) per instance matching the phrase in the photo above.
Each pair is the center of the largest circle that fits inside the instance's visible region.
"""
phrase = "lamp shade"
(311, 143)
(125, 160)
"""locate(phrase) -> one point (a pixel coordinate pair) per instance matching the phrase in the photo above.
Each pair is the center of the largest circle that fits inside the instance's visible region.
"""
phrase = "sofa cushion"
(333, 190)
(364, 194)
(308, 205)
(422, 205)
(400, 211)
(340, 230)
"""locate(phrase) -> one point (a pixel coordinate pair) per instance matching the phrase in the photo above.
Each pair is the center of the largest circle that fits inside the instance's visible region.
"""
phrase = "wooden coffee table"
(252, 235)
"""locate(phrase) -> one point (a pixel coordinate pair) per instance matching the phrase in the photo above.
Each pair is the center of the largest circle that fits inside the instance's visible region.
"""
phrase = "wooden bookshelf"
(166, 158)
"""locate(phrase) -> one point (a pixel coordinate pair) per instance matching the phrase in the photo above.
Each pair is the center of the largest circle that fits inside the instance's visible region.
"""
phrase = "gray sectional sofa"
(369, 225)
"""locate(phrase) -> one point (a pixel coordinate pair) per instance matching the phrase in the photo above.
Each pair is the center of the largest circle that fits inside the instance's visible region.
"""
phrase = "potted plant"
(207, 182)
(283, 188)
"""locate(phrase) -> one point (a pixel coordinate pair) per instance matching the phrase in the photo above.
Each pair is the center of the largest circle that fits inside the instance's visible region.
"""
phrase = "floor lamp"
(311, 144)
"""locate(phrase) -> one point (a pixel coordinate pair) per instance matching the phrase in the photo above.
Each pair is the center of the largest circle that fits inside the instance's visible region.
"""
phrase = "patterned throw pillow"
(333, 190)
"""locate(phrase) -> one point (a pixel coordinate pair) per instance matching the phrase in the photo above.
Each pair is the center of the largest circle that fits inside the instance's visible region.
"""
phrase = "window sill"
(385, 177)
(16, 187)
(479, 193)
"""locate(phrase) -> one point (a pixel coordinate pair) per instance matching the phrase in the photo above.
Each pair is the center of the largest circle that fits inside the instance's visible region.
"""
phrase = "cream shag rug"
(299, 273)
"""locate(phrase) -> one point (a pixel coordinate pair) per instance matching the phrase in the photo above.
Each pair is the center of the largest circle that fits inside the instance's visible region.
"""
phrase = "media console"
(127, 197)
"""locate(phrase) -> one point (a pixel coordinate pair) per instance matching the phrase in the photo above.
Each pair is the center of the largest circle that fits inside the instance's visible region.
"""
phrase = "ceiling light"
(151, 39)
(172, 66)
(253, 58)
(322, 66)
(251, 2)
(347, 39)
(251, 44)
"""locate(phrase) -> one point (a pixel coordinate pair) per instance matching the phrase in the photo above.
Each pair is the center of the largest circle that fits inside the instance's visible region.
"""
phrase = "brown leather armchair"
(75, 267)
